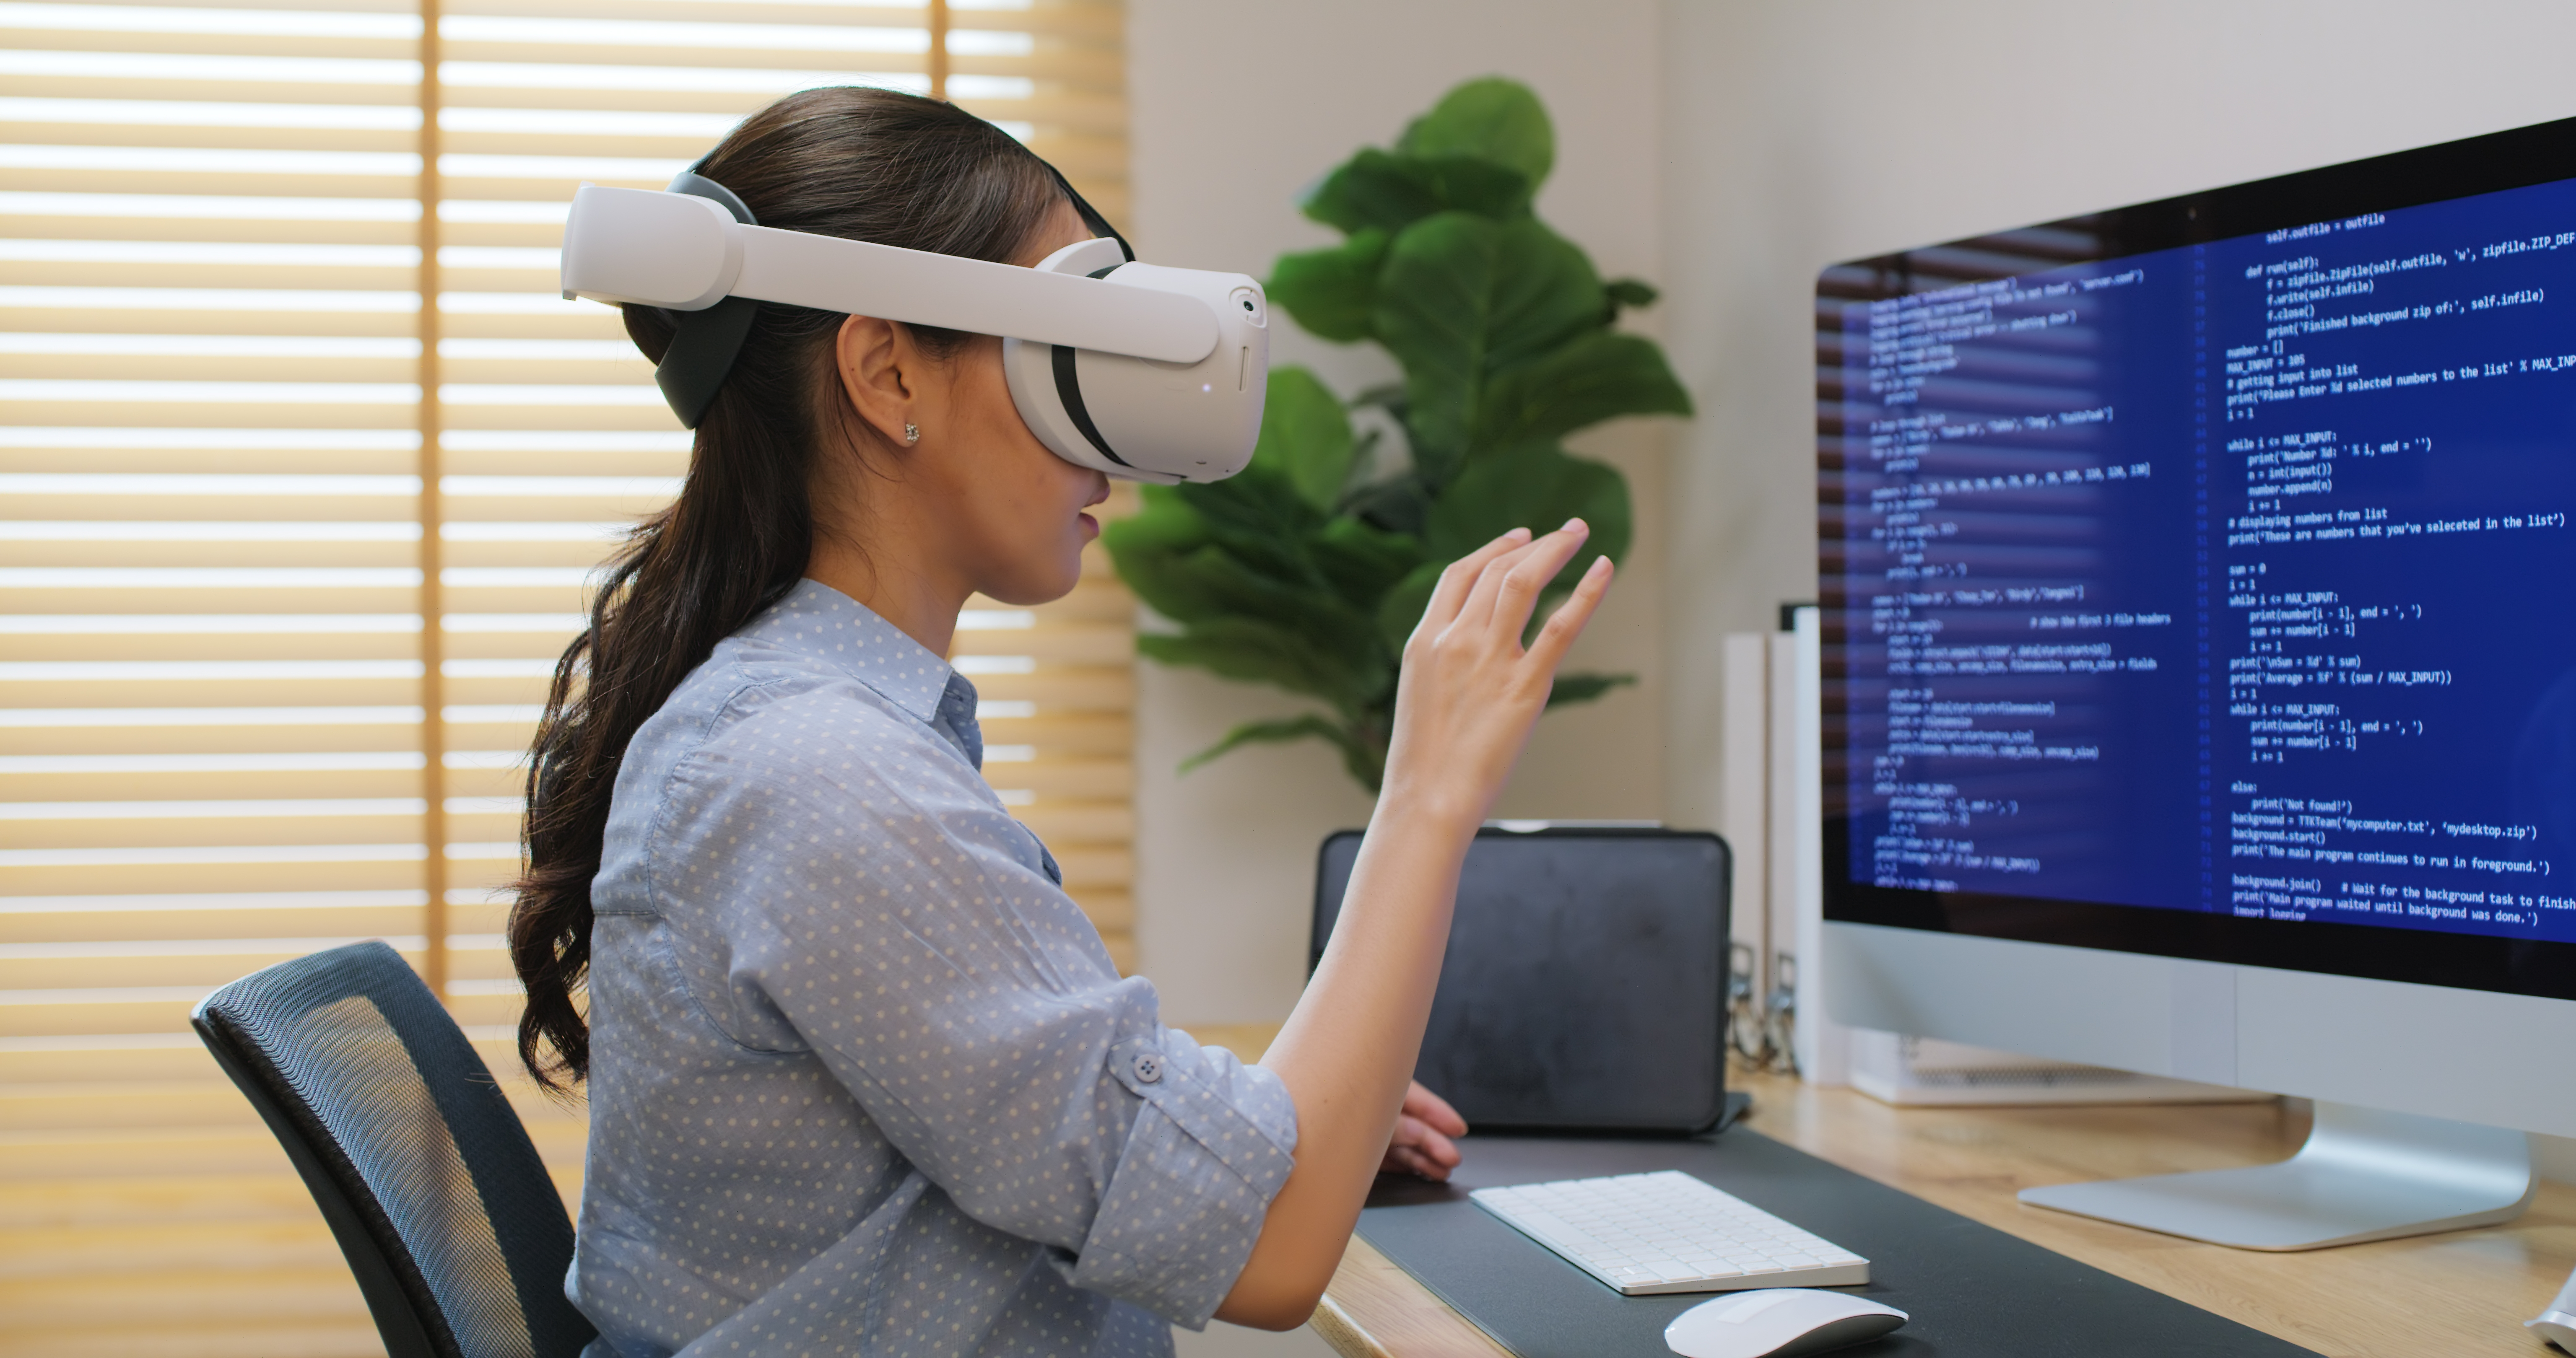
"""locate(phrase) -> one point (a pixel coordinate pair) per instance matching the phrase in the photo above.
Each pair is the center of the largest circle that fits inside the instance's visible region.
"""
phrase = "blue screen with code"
(2225, 577)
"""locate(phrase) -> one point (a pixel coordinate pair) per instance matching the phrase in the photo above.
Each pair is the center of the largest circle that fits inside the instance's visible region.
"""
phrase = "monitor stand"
(2558, 1324)
(2364, 1174)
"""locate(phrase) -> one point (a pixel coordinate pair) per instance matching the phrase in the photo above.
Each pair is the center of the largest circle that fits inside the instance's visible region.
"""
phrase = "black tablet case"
(1974, 1291)
(1585, 983)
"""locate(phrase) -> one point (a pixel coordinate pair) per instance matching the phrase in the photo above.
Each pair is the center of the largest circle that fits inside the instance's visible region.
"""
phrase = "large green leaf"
(1268, 555)
(1435, 312)
(1547, 296)
(1363, 561)
(1307, 605)
(1491, 119)
(1396, 504)
(1583, 688)
(1182, 585)
(1629, 292)
(1253, 563)
(1538, 487)
(1401, 609)
(1151, 548)
(1276, 732)
(1258, 516)
(1593, 378)
(1365, 760)
(1165, 524)
(1249, 648)
(1461, 295)
(1306, 434)
(1332, 291)
(1389, 191)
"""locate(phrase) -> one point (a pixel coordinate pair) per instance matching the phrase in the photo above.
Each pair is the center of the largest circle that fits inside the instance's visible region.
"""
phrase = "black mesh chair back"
(429, 1181)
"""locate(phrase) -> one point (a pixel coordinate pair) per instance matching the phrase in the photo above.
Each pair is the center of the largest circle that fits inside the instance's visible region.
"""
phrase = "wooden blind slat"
(285, 559)
(388, 50)
(196, 88)
(208, 135)
(294, 7)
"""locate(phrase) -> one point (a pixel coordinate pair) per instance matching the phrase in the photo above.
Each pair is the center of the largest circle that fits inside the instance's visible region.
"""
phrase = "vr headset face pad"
(1144, 372)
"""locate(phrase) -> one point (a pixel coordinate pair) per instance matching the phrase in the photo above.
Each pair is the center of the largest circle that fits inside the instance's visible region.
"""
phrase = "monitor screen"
(2190, 574)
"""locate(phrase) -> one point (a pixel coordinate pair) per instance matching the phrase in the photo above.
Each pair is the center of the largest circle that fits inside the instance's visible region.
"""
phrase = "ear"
(881, 374)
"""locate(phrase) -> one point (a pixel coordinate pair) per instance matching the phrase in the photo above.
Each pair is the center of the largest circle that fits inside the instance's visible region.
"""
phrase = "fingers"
(1567, 623)
(1418, 1149)
(1433, 1111)
(1530, 575)
(1509, 586)
(1421, 1142)
(1461, 577)
(1412, 1162)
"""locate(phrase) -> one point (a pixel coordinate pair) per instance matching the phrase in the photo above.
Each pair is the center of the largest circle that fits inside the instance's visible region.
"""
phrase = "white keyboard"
(1669, 1232)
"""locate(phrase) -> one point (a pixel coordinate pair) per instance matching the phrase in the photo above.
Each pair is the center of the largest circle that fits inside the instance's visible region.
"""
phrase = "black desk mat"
(1974, 1292)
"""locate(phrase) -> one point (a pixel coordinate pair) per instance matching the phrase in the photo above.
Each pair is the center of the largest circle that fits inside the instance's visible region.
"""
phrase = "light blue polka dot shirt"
(863, 1078)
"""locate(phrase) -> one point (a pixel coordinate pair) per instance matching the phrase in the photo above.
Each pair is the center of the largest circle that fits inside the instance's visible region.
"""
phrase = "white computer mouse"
(1777, 1323)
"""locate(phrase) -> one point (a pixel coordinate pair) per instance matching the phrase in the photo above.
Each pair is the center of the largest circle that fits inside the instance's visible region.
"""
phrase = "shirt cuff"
(1210, 1148)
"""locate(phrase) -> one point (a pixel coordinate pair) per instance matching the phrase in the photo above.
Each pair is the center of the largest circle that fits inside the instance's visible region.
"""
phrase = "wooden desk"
(2463, 1294)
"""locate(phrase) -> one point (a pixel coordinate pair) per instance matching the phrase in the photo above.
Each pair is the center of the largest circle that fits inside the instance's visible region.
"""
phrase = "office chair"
(431, 1185)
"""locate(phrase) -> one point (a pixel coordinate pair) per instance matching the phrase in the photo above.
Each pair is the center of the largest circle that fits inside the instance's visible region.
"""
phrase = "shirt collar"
(817, 620)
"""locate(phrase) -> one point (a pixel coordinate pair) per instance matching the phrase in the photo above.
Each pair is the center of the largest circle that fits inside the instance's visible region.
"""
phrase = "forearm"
(1464, 705)
(1347, 1052)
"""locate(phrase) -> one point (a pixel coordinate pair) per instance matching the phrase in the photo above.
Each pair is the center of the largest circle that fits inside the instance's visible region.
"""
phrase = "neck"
(890, 579)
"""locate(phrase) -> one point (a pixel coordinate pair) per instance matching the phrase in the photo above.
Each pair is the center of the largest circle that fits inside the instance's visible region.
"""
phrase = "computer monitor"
(2199, 665)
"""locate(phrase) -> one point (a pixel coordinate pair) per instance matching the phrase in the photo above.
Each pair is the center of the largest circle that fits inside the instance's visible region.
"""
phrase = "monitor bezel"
(2517, 158)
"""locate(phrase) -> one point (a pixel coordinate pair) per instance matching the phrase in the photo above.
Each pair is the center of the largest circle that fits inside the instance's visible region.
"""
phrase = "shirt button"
(1148, 1068)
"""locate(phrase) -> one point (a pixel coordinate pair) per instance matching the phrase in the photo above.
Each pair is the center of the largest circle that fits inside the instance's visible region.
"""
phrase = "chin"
(1042, 584)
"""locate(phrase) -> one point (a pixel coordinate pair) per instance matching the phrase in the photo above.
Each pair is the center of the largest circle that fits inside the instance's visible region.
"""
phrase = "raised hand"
(1470, 691)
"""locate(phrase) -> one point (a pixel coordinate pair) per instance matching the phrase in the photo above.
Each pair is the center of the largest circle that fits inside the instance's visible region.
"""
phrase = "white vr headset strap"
(687, 253)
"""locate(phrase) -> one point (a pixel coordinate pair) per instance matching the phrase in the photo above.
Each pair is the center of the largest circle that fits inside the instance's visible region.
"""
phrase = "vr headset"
(1144, 372)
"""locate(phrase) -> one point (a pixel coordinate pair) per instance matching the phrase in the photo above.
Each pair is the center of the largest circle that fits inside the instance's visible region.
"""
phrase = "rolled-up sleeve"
(878, 907)
(1203, 1159)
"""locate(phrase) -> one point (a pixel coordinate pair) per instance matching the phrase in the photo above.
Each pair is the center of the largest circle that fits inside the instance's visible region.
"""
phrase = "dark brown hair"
(866, 164)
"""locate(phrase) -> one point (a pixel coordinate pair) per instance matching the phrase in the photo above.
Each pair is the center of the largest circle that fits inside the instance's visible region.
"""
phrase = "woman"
(862, 1078)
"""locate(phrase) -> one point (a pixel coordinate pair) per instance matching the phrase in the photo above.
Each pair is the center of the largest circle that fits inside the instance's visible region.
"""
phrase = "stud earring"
(911, 433)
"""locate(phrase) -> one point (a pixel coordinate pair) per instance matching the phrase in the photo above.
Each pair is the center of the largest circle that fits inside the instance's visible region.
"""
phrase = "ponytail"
(866, 164)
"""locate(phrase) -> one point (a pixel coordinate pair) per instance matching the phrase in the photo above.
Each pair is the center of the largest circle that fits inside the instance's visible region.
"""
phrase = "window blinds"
(286, 554)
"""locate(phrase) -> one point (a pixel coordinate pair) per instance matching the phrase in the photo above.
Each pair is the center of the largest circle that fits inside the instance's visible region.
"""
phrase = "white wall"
(1236, 106)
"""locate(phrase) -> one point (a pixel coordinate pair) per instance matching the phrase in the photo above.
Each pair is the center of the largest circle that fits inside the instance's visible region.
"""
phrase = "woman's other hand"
(1421, 1144)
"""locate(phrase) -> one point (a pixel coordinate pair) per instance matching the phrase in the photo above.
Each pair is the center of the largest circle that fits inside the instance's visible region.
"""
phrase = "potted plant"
(1308, 570)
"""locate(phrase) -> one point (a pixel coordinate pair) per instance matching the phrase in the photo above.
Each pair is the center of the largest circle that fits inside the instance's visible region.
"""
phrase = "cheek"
(1028, 499)
(1015, 471)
